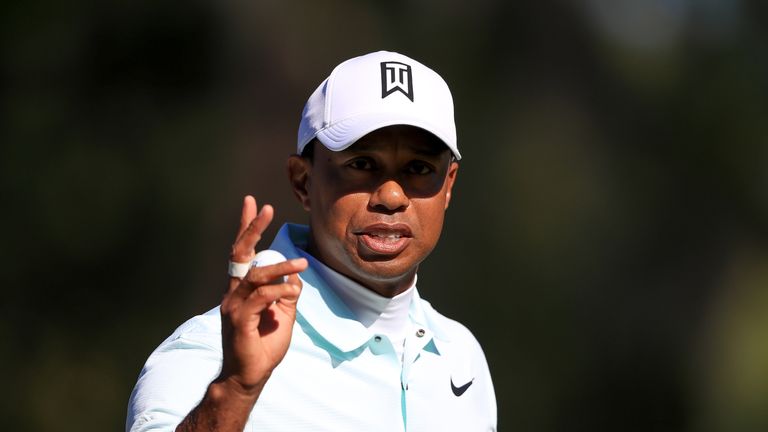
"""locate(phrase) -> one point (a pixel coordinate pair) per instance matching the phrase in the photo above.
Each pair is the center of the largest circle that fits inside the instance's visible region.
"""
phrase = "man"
(336, 338)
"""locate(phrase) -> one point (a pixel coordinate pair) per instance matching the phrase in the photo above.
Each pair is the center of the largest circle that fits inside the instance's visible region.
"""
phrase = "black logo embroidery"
(396, 76)
(458, 391)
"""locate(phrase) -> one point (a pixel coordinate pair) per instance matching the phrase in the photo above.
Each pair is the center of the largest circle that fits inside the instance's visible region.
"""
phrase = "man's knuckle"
(262, 291)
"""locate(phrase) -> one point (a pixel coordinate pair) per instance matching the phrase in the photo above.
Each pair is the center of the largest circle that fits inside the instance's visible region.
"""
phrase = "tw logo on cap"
(396, 76)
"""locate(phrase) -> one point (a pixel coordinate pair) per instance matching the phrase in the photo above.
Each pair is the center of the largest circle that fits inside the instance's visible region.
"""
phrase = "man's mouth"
(382, 239)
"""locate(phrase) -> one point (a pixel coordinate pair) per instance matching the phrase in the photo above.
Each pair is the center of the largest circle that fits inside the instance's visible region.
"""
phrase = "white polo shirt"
(338, 374)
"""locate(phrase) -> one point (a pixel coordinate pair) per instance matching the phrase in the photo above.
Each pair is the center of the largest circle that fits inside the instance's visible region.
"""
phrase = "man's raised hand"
(257, 316)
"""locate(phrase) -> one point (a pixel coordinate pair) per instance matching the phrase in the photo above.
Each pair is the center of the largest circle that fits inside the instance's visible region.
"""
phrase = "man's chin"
(378, 272)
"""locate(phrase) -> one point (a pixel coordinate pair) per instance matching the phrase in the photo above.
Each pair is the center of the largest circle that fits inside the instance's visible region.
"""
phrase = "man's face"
(377, 208)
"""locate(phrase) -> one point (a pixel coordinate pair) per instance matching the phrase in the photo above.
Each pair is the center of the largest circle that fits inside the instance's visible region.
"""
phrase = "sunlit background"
(607, 242)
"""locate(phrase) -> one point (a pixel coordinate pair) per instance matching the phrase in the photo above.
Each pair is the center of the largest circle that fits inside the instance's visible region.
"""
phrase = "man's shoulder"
(202, 330)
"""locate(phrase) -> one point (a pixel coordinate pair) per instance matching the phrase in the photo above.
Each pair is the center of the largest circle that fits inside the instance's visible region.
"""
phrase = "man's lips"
(385, 239)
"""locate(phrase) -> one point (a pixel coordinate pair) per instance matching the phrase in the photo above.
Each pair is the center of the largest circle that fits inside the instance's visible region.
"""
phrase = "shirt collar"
(325, 311)
(423, 314)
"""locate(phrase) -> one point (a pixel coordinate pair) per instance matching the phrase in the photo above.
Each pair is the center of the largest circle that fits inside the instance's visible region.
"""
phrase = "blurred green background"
(607, 242)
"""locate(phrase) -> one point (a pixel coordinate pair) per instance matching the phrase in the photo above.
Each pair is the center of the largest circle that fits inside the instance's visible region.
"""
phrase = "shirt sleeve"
(172, 382)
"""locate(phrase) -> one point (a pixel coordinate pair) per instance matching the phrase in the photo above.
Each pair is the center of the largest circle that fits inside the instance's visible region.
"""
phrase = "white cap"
(376, 90)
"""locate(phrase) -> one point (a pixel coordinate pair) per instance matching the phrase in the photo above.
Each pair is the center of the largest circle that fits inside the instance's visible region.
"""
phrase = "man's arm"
(256, 323)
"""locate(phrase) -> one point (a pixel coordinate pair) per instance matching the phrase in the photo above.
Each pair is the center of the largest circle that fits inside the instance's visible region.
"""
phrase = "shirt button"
(377, 338)
(420, 332)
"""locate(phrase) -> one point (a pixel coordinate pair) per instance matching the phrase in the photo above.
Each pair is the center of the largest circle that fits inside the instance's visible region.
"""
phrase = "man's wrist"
(226, 388)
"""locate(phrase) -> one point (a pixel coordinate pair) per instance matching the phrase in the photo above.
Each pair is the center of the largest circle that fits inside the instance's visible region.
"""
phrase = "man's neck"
(378, 313)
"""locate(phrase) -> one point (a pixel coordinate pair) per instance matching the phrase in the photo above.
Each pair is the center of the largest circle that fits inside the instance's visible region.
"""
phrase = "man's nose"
(389, 197)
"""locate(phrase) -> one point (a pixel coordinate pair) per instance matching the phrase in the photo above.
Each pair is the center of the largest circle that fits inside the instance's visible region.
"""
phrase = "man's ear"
(450, 178)
(299, 171)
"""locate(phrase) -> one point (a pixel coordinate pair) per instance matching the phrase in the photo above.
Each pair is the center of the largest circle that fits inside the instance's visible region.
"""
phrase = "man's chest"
(316, 388)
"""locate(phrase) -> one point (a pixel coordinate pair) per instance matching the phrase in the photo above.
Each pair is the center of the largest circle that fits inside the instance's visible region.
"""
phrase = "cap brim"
(344, 133)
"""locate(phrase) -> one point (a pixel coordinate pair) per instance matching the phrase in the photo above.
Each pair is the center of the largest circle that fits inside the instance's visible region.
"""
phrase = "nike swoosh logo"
(458, 391)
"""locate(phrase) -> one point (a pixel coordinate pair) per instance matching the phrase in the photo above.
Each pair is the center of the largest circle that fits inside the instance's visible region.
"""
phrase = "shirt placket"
(415, 342)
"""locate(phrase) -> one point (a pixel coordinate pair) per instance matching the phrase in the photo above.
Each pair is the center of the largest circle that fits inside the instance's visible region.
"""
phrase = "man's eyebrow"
(432, 147)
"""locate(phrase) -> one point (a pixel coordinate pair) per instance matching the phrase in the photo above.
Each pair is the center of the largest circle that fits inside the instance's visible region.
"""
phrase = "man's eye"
(361, 164)
(419, 168)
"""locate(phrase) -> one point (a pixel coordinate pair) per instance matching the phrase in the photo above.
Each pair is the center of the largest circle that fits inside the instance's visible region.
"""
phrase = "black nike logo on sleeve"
(458, 391)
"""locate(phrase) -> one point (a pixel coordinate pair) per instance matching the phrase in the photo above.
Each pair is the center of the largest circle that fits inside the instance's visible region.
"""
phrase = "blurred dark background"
(607, 242)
